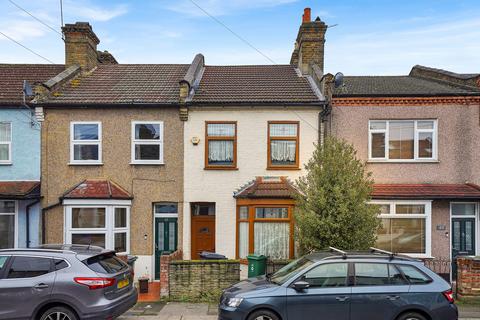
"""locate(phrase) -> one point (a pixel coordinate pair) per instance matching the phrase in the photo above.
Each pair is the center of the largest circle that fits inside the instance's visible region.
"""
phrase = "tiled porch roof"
(267, 187)
(426, 191)
(97, 189)
(19, 189)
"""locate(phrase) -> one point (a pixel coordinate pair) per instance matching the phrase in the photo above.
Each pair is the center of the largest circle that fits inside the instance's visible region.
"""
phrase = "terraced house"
(419, 135)
(20, 222)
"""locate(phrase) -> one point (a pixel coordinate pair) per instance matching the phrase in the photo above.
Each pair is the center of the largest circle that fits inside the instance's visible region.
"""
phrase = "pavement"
(201, 311)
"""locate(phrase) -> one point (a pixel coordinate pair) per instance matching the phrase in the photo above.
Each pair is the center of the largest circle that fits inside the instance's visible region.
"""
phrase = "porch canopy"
(467, 191)
(267, 188)
(19, 190)
(97, 189)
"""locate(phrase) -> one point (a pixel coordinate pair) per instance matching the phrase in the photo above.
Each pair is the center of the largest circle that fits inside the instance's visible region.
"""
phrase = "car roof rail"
(343, 253)
(36, 250)
(381, 251)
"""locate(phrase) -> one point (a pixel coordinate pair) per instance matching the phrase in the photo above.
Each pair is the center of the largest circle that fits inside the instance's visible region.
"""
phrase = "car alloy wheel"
(58, 316)
(263, 318)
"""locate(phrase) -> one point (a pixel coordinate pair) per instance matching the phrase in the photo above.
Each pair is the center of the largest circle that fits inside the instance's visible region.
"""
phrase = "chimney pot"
(307, 15)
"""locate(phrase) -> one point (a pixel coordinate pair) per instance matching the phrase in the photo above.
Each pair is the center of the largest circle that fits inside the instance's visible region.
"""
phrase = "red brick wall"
(468, 284)
(165, 269)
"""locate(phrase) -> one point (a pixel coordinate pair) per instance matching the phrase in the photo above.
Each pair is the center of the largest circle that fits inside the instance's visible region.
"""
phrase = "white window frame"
(427, 216)
(416, 133)
(109, 229)
(477, 223)
(148, 141)
(9, 143)
(15, 213)
(74, 142)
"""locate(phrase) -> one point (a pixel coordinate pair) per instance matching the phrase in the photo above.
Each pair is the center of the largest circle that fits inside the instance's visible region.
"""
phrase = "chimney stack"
(80, 46)
(310, 45)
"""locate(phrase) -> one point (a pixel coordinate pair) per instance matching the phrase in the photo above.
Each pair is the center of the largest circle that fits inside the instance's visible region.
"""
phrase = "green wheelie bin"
(257, 265)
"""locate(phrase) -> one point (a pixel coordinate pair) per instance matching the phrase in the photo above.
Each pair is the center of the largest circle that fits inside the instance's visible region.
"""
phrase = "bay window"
(5, 143)
(85, 143)
(147, 142)
(221, 145)
(104, 226)
(265, 230)
(283, 141)
(8, 224)
(403, 140)
(405, 227)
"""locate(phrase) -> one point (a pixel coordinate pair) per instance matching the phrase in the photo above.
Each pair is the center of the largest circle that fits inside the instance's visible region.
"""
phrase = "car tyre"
(411, 316)
(263, 315)
(60, 313)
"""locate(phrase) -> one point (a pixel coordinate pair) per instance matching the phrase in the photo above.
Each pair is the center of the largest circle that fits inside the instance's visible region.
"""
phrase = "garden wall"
(201, 279)
(468, 283)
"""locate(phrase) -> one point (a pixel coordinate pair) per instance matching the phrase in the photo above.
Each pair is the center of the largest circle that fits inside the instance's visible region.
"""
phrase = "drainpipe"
(27, 222)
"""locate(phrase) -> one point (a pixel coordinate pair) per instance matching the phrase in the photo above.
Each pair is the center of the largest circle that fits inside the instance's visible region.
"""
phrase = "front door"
(166, 235)
(463, 239)
(203, 235)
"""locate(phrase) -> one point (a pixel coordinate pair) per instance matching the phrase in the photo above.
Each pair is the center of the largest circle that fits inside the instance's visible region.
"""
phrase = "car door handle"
(342, 298)
(392, 298)
(41, 286)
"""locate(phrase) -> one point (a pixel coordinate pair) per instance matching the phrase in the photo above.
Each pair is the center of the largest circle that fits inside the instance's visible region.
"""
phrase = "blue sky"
(372, 36)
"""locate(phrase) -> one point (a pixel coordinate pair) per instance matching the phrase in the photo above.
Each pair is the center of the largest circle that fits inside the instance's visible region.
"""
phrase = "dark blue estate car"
(335, 286)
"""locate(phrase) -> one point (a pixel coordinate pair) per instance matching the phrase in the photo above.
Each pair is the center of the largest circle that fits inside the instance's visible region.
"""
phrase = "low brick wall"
(165, 270)
(201, 279)
(468, 279)
(275, 265)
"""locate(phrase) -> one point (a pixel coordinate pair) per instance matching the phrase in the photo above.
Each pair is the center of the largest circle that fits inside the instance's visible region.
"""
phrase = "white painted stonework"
(219, 185)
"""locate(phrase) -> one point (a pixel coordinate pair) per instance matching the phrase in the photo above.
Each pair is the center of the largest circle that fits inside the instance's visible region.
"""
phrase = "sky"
(367, 37)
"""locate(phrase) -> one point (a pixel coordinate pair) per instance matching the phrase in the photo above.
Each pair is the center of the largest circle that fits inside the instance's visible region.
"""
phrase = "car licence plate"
(123, 283)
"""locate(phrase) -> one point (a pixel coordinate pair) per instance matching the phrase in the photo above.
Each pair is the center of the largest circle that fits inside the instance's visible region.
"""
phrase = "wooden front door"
(203, 235)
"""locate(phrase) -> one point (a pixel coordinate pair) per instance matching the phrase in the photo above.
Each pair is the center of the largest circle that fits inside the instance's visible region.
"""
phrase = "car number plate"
(123, 283)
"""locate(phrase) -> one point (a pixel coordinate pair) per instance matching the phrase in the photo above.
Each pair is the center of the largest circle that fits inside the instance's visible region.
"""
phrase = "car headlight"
(234, 302)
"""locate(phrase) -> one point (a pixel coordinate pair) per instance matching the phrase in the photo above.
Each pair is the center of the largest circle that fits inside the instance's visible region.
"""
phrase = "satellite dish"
(27, 89)
(338, 80)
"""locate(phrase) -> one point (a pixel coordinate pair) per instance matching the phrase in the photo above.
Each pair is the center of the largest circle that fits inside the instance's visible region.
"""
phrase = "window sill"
(6, 163)
(283, 168)
(147, 163)
(85, 163)
(404, 161)
(221, 168)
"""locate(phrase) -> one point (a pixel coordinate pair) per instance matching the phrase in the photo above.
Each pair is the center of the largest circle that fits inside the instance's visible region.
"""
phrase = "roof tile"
(426, 191)
(267, 187)
(19, 189)
(97, 189)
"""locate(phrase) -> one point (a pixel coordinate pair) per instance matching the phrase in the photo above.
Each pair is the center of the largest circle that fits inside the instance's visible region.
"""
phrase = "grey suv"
(64, 282)
(341, 286)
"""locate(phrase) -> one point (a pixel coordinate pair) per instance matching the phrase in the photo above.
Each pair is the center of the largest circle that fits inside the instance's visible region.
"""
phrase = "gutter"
(27, 218)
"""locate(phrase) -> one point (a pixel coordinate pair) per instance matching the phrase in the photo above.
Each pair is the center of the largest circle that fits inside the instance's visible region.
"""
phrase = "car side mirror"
(301, 285)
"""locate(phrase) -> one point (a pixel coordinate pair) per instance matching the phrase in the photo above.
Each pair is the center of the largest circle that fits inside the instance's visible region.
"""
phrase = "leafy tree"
(332, 206)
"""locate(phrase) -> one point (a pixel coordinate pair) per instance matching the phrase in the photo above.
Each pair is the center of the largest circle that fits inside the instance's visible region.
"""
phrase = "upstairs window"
(403, 140)
(221, 145)
(147, 142)
(5, 143)
(283, 145)
(86, 143)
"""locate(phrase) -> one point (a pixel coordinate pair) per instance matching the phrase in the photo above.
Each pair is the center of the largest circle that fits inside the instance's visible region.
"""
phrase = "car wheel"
(263, 315)
(411, 316)
(59, 313)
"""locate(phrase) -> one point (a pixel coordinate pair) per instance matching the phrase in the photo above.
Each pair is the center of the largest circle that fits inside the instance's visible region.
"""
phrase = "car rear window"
(106, 263)
(413, 275)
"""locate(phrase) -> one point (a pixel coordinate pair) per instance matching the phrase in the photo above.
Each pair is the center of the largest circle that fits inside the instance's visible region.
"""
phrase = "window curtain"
(221, 130)
(283, 130)
(5, 132)
(272, 239)
(220, 151)
(243, 240)
(283, 151)
(401, 137)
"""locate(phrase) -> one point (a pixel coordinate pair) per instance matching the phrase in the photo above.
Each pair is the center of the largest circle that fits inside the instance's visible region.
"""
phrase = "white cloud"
(21, 30)
(85, 10)
(222, 7)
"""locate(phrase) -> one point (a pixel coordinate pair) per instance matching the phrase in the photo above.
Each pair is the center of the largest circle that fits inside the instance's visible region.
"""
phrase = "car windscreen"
(290, 270)
(106, 263)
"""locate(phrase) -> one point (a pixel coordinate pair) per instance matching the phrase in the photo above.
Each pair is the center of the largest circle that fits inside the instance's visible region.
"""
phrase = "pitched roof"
(124, 84)
(426, 191)
(97, 189)
(254, 84)
(386, 86)
(12, 76)
(19, 189)
(267, 187)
